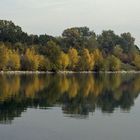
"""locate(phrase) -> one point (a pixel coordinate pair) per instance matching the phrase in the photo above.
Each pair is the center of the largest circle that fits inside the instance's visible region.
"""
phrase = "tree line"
(78, 49)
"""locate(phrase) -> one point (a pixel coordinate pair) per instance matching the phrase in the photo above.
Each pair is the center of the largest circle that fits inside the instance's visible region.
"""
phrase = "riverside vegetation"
(78, 49)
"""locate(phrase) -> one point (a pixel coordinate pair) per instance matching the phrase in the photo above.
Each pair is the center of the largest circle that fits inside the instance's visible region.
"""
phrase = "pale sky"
(53, 16)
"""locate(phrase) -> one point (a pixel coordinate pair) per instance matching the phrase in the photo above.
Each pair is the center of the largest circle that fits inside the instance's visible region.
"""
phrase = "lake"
(70, 107)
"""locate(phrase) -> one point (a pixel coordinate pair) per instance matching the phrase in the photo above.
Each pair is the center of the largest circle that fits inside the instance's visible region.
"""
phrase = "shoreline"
(69, 72)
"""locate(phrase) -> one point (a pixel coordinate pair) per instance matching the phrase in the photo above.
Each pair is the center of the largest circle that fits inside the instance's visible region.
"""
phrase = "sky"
(53, 16)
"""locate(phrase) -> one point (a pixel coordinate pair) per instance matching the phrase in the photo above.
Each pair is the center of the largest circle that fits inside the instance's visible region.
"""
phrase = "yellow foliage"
(3, 57)
(63, 60)
(86, 61)
(97, 55)
(13, 60)
(73, 58)
(32, 60)
(44, 63)
(136, 61)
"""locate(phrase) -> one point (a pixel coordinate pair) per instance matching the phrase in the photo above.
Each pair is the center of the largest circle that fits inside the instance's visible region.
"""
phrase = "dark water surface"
(70, 107)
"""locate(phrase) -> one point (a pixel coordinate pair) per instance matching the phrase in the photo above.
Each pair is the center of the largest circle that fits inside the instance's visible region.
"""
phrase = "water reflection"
(77, 94)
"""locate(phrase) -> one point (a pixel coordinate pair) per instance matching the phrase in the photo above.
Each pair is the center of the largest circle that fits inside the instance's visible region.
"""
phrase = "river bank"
(64, 72)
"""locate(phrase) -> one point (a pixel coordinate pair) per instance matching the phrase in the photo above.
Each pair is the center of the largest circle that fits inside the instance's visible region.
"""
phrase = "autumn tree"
(3, 56)
(73, 58)
(63, 60)
(86, 60)
(44, 63)
(136, 61)
(13, 60)
(99, 61)
(30, 60)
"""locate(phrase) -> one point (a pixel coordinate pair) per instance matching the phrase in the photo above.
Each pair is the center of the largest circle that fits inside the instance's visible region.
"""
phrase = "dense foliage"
(78, 49)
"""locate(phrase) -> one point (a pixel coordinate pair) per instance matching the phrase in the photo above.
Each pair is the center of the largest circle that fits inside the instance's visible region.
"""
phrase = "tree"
(79, 48)
(43, 39)
(136, 61)
(113, 63)
(3, 56)
(30, 60)
(13, 61)
(99, 61)
(11, 33)
(107, 40)
(101, 65)
(44, 63)
(92, 43)
(86, 60)
(63, 60)
(127, 42)
(97, 54)
(73, 58)
(77, 37)
(52, 52)
(118, 51)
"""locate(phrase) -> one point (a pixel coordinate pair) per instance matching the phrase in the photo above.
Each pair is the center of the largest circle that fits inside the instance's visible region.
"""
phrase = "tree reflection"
(77, 94)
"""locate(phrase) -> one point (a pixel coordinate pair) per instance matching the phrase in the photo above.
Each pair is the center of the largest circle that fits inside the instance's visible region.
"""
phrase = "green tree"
(113, 63)
(52, 52)
(107, 40)
(77, 37)
(92, 43)
(118, 51)
(11, 33)
(127, 42)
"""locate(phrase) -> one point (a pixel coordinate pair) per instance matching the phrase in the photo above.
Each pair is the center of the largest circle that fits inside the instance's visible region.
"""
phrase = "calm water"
(70, 107)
